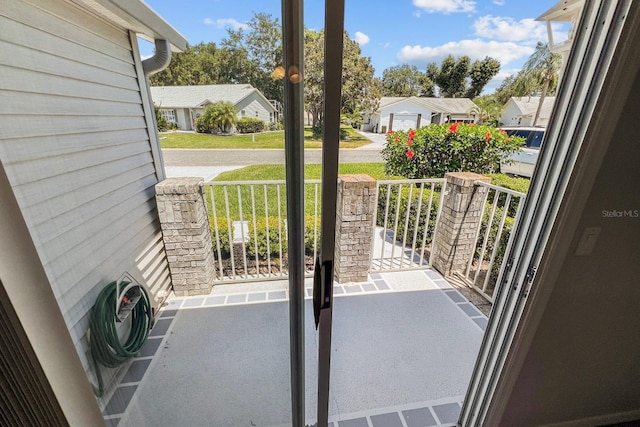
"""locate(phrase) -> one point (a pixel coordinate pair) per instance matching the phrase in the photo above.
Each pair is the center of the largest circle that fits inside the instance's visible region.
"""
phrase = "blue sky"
(393, 32)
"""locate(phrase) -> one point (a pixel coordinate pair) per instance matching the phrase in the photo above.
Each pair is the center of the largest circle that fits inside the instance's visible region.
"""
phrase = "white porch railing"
(493, 238)
(407, 214)
(249, 229)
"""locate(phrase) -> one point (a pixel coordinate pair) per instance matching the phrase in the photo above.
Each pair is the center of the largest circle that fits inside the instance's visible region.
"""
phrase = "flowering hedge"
(433, 150)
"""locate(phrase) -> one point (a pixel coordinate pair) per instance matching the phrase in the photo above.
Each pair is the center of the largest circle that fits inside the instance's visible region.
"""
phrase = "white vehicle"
(523, 163)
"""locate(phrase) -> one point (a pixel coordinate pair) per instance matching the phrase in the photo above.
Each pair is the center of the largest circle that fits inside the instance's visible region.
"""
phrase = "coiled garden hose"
(106, 348)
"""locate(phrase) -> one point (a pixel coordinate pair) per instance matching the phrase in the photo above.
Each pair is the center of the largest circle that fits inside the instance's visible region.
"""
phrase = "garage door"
(404, 121)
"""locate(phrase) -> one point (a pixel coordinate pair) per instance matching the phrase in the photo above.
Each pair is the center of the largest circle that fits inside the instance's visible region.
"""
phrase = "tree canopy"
(358, 86)
(457, 78)
(405, 80)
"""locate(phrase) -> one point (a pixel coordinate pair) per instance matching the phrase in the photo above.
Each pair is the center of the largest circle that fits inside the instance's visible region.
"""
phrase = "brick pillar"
(459, 221)
(186, 235)
(355, 223)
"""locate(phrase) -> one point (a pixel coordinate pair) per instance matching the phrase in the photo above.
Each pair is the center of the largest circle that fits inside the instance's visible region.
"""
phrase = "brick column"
(186, 235)
(355, 223)
(461, 215)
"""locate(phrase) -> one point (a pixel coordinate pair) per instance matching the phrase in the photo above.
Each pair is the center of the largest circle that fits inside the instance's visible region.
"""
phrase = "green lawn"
(276, 172)
(261, 140)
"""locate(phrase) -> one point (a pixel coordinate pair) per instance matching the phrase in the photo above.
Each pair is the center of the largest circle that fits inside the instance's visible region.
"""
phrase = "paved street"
(217, 157)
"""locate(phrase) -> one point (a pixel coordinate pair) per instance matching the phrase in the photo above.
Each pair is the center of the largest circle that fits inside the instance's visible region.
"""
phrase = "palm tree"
(223, 115)
(541, 69)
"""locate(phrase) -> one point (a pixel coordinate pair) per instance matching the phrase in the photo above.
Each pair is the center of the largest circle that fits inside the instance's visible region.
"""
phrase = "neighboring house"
(520, 111)
(182, 105)
(565, 11)
(403, 113)
(79, 159)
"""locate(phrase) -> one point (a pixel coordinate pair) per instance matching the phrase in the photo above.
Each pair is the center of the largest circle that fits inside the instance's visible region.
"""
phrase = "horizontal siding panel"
(75, 234)
(30, 104)
(115, 241)
(53, 197)
(69, 21)
(47, 147)
(43, 168)
(28, 127)
(22, 80)
(119, 255)
(35, 38)
(28, 59)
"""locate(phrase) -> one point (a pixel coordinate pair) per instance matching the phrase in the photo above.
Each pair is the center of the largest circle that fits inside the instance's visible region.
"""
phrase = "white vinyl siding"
(75, 145)
(254, 107)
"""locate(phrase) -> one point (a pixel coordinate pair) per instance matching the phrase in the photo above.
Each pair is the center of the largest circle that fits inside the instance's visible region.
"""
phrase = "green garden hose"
(106, 348)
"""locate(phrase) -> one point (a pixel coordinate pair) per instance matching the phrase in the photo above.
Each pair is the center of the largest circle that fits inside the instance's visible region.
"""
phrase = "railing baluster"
(395, 225)
(496, 242)
(426, 227)
(384, 225)
(280, 230)
(467, 273)
(216, 230)
(417, 223)
(315, 223)
(266, 214)
(406, 226)
(244, 248)
(255, 229)
(229, 232)
(487, 233)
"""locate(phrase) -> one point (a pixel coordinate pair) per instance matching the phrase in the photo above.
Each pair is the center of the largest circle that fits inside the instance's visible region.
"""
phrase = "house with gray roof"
(411, 112)
(182, 105)
(521, 111)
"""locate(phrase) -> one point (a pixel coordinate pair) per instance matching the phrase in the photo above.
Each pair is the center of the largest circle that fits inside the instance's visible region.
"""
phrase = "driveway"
(378, 141)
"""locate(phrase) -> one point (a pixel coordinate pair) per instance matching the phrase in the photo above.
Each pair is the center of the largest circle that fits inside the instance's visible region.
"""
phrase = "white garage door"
(404, 121)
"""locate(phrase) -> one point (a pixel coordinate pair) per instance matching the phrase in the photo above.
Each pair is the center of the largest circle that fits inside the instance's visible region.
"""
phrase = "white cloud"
(504, 52)
(445, 6)
(508, 29)
(225, 22)
(361, 38)
(499, 2)
(417, 13)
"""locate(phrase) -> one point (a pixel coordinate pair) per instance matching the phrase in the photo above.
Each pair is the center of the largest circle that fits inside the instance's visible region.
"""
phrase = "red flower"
(487, 136)
(412, 133)
(396, 138)
(409, 141)
(502, 131)
(454, 127)
(389, 133)
(471, 124)
(410, 153)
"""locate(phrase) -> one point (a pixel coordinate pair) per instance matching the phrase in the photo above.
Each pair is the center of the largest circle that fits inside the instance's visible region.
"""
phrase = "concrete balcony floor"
(404, 347)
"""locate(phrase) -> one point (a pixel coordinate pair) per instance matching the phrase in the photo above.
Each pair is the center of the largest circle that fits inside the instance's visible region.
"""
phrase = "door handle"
(322, 283)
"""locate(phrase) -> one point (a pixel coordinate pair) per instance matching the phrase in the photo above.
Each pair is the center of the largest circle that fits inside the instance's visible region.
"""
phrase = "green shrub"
(267, 243)
(223, 236)
(316, 133)
(275, 126)
(433, 150)
(416, 224)
(513, 183)
(250, 125)
(219, 116)
(491, 239)
(310, 222)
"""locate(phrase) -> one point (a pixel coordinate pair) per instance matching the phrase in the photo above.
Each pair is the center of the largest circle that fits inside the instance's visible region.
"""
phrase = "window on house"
(168, 115)
(243, 114)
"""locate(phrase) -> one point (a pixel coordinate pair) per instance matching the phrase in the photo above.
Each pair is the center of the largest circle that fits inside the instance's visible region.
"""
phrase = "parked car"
(523, 163)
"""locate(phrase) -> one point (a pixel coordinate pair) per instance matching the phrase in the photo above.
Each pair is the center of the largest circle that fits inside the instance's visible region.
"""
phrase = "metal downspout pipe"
(160, 60)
